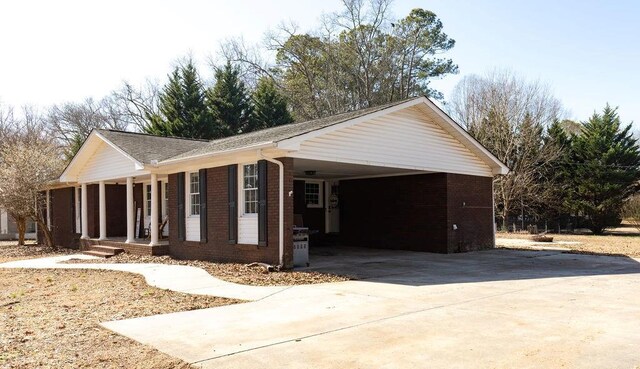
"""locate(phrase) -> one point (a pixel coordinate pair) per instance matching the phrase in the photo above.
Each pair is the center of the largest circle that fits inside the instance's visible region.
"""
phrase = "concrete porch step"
(103, 251)
(98, 254)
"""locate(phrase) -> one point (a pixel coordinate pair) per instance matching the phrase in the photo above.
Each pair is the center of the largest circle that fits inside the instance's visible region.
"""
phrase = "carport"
(404, 178)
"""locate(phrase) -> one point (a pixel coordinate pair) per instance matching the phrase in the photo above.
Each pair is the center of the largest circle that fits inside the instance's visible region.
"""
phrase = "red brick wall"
(470, 204)
(405, 212)
(63, 218)
(93, 212)
(217, 247)
(116, 198)
(417, 212)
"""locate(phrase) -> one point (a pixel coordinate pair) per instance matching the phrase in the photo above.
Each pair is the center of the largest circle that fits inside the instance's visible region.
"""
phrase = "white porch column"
(103, 210)
(130, 217)
(77, 222)
(154, 209)
(49, 209)
(85, 217)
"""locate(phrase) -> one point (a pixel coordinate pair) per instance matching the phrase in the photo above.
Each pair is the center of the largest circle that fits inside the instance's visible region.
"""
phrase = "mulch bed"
(9, 251)
(231, 272)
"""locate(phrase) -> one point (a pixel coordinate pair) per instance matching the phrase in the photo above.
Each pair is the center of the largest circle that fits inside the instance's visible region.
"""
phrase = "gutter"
(260, 146)
(281, 205)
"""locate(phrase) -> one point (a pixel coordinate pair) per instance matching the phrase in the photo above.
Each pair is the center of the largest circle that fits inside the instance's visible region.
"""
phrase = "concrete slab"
(495, 309)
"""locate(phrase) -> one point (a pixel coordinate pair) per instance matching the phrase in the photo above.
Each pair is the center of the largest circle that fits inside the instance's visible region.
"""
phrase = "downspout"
(281, 205)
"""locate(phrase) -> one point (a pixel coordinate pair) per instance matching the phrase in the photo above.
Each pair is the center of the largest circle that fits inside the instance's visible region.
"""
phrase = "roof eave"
(261, 145)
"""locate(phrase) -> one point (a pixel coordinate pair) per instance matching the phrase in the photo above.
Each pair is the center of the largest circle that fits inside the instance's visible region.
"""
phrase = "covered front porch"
(128, 213)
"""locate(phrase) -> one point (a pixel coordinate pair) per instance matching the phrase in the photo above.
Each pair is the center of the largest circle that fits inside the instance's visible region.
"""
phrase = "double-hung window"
(313, 194)
(250, 189)
(148, 199)
(194, 193)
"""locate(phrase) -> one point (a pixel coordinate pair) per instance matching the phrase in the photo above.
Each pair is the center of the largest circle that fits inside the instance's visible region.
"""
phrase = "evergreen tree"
(269, 106)
(229, 102)
(183, 109)
(606, 166)
(557, 175)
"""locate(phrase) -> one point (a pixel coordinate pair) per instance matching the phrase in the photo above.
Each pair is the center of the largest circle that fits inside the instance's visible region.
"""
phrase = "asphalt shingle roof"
(145, 148)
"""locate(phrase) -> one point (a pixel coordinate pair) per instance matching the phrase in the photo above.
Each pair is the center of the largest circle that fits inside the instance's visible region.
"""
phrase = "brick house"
(401, 176)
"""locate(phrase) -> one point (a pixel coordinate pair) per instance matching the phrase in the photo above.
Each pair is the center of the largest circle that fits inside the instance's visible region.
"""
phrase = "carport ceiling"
(334, 170)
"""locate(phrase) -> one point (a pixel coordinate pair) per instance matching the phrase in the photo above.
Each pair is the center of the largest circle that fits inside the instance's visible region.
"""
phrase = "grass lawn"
(618, 244)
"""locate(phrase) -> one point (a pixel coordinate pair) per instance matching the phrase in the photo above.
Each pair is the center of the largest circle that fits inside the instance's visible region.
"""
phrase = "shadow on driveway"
(422, 268)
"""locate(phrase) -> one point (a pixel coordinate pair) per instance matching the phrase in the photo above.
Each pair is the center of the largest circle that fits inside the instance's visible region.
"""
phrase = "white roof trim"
(496, 165)
(501, 167)
(65, 176)
(260, 145)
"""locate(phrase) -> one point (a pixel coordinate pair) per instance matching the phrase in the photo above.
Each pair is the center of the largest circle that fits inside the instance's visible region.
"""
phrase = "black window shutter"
(181, 206)
(262, 203)
(202, 175)
(233, 203)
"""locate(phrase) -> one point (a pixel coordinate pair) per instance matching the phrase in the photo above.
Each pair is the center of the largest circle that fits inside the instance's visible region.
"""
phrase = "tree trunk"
(21, 224)
(46, 232)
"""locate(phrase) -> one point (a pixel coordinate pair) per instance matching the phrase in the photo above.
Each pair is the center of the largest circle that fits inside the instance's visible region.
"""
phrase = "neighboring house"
(399, 176)
(9, 230)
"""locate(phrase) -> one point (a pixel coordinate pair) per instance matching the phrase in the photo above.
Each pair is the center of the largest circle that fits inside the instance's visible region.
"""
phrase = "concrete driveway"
(491, 309)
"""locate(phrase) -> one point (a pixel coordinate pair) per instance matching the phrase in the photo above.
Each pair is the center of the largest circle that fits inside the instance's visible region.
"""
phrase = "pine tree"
(183, 110)
(229, 102)
(606, 161)
(269, 106)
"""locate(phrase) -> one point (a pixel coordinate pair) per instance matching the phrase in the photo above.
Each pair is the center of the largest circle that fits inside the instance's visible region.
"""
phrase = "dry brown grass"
(627, 245)
(9, 250)
(49, 318)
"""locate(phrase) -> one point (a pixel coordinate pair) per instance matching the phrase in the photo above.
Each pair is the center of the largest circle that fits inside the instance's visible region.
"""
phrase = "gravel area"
(231, 272)
(49, 318)
(616, 245)
(9, 251)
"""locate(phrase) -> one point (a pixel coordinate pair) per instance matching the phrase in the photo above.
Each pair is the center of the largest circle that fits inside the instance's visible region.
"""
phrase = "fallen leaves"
(231, 272)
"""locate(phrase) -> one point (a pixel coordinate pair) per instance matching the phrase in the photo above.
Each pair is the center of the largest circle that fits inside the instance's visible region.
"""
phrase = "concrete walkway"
(179, 278)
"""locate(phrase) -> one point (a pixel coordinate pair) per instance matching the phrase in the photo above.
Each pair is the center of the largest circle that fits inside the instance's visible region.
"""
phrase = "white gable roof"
(99, 159)
(413, 135)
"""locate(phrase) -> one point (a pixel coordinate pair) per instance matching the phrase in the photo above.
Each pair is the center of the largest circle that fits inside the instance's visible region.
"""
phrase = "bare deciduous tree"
(631, 211)
(356, 58)
(137, 105)
(71, 123)
(508, 115)
(29, 160)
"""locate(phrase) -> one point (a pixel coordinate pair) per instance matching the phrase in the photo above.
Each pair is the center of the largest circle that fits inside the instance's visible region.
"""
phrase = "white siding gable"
(107, 163)
(406, 139)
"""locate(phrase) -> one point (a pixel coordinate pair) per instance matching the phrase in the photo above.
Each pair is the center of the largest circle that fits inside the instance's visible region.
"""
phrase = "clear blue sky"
(56, 51)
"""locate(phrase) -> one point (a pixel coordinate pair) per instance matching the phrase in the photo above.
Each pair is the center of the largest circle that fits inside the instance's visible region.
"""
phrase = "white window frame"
(165, 200)
(147, 199)
(320, 184)
(189, 194)
(241, 190)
